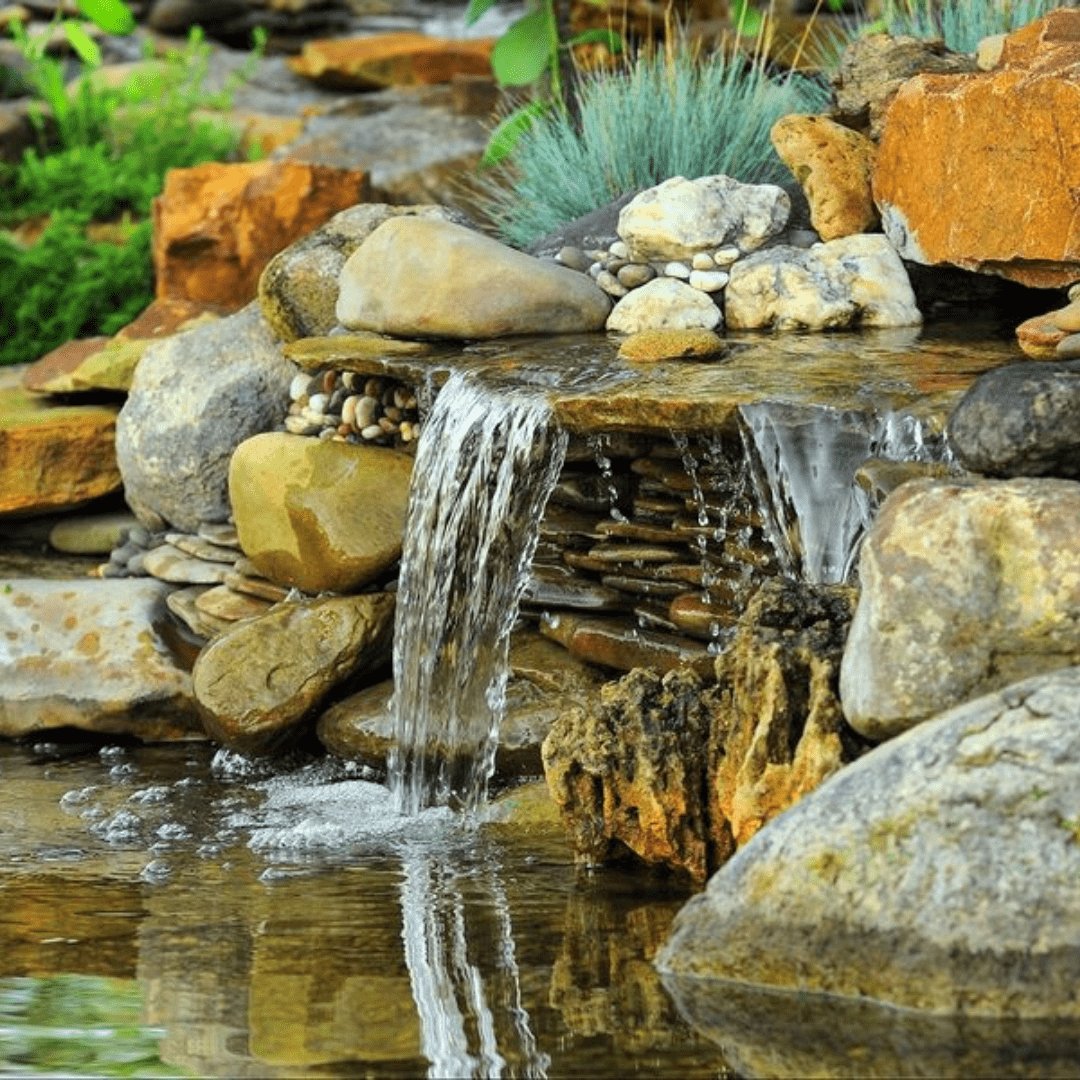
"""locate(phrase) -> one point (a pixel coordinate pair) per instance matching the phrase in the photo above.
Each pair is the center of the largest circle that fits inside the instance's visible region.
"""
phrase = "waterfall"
(803, 460)
(487, 461)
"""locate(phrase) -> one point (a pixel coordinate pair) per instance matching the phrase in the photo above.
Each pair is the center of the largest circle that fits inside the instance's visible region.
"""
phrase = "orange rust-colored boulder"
(980, 171)
(380, 60)
(217, 226)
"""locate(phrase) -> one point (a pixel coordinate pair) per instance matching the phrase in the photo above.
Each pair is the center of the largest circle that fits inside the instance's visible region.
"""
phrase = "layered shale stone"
(940, 872)
(417, 277)
(967, 586)
(88, 655)
(833, 165)
(319, 515)
(258, 681)
(680, 217)
(854, 281)
(1020, 420)
(976, 171)
(216, 226)
(177, 431)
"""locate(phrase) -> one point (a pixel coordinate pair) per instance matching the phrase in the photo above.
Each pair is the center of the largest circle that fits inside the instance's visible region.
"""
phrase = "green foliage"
(662, 117)
(112, 148)
(962, 23)
(67, 286)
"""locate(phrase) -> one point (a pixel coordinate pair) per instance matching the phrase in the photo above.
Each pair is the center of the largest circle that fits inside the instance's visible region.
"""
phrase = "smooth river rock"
(1020, 420)
(257, 682)
(664, 304)
(195, 397)
(88, 654)
(319, 516)
(418, 277)
(967, 586)
(939, 872)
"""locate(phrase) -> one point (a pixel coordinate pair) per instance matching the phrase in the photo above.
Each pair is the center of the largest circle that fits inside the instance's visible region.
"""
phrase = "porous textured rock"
(854, 281)
(418, 277)
(257, 682)
(1020, 420)
(975, 171)
(195, 397)
(86, 654)
(216, 226)
(664, 304)
(967, 586)
(940, 872)
(679, 218)
(319, 515)
(298, 290)
(648, 345)
(834, 166)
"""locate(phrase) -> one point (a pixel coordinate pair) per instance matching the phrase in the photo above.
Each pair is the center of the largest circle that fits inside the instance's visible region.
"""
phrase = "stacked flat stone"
(348, 407)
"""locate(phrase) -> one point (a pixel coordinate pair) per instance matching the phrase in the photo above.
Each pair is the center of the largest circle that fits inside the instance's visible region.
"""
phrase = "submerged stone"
(941, 872)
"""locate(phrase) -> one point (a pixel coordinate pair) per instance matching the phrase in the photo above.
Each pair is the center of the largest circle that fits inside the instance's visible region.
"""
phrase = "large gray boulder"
(195, 397)
(939, 872)
(967, 586)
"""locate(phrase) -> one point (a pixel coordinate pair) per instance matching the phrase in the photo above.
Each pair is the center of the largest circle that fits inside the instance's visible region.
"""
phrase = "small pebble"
(388, 425)
(1068, 348)
(1068, 318)
(316, 405)
(677, 270)
(725, 256)
(633, 275)
(367, 409)
(349, 380)
(619, 250)
(702, 261)
(573, 257)
(298, 388)
(373, 431)
(708, 280)
(610, 284)
(348, 409)
(595, 270)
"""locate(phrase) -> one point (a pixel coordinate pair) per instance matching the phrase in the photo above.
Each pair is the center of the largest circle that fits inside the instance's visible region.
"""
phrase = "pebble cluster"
(349, 407)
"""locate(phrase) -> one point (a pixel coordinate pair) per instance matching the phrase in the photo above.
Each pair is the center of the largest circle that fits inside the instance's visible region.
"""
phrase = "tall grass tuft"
(665, 114)
(962, 23)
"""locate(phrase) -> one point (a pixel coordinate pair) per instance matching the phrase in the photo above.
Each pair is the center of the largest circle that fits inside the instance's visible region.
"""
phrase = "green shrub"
(664, 116)
(962, 23)
(67, 286)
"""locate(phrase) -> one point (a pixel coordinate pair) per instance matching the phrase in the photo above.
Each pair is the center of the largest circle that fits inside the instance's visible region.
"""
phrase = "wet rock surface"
(939, 872)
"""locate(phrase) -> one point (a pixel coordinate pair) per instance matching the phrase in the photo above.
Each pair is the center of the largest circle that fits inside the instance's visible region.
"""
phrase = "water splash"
(486, 463)
(803, 461)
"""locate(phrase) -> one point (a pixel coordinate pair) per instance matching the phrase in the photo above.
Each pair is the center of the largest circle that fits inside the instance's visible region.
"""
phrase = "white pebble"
(373, 431)
(348, 380)
(725, 256)
(407, 431)
(367, 409)
(708, 280)
(702, 261)
(595, 270)
(619, 250)
(317, 404)
(610, 284)
(298, 388)
(348, 409)
(677, 270)
(297, 425)
(388, 425)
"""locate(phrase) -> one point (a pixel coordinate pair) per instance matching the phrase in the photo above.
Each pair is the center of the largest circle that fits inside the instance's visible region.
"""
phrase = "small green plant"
(961, 23)
(666, 114)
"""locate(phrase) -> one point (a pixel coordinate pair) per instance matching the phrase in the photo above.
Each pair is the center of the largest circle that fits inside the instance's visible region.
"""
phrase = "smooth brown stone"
(559, 587)
(633, 553)
(222, 602)
(362, 352)
(643, 586)
(198, 548)
(168, 563)
(256, 586)
(181, 603)
(566, 526)
(620, 644)
(632, 530)
(699, 619)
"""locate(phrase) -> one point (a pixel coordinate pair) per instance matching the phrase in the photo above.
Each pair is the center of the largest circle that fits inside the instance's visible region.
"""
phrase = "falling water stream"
(486, 464)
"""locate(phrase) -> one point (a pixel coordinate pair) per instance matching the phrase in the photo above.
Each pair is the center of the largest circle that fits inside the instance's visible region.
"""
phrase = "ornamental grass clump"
(962, 23)
(663, 115)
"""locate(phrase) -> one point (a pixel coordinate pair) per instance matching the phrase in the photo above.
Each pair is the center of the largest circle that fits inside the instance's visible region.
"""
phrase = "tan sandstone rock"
(833, 164)
(216, 226)
(401, 59)
(967, 586)
(420, 277)
(1041, 335)
(319, 515)
(54, 455)
(258, 681)
(977, 171)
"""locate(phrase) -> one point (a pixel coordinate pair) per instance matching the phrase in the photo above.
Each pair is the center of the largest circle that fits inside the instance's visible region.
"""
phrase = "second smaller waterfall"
(487, 461)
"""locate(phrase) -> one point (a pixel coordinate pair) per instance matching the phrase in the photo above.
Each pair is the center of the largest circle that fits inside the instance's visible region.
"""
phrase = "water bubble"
(156, 870)
(78, 796)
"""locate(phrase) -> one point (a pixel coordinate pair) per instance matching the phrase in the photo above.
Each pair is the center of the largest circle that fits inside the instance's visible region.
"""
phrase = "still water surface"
(164, 912)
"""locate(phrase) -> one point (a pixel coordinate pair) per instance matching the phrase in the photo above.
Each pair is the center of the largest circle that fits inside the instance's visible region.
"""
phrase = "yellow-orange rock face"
(980, 171)
(217, 226)
(380, 60)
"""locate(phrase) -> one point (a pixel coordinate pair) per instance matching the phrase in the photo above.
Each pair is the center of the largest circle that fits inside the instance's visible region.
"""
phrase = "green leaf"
(82, 43)
(523, 53)
(747, 20)
(505, 136)
(113, 16)
(477, 8)
(603, 37)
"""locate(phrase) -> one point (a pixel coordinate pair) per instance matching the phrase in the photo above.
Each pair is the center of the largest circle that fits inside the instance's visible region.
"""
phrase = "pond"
(165, 913)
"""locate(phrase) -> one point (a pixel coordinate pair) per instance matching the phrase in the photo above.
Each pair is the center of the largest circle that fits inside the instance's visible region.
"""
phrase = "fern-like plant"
(663, 115)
